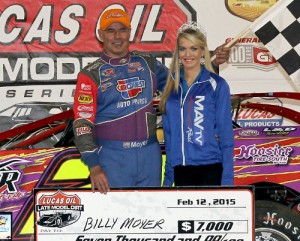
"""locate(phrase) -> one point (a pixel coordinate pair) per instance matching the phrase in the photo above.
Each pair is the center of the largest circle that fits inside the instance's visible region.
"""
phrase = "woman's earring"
(179, 61)
(202, 61)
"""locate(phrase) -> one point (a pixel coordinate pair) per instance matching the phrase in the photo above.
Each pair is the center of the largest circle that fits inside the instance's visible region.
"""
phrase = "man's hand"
(222, 55)
(98, 179)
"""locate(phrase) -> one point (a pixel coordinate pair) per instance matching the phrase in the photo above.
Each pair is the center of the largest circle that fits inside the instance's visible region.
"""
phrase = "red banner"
(71, 26)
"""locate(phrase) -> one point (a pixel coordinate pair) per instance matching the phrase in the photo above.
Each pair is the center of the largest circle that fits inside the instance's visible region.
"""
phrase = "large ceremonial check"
(177, 214)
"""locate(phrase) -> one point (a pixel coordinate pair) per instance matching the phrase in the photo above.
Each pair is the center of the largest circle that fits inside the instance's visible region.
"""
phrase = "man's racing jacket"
(113, 101)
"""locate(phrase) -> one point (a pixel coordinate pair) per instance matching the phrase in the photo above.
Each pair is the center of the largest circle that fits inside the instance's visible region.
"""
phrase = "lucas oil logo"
(58, 210)
(130, 88)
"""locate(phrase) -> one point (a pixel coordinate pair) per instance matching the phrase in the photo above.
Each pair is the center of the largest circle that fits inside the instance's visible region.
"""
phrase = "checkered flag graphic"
(279, 30)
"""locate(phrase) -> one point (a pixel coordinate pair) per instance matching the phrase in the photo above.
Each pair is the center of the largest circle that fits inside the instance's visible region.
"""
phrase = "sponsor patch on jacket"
(85, 115)
(134, 70)
(85, 108)
(135, 64)
(85, 87)
(82, 130)
(106, 86)
(135, 144)
(130, 88)
(108, 72)
(135, 67)
(86, 99)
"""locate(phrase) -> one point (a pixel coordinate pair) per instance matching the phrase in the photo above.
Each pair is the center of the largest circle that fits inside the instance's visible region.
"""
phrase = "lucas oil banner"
(52, 40)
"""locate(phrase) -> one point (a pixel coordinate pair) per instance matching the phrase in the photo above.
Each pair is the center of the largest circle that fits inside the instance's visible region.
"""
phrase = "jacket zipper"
(182, 132)
(181, 120)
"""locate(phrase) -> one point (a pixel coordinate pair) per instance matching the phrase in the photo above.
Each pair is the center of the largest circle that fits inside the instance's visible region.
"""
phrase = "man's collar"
(116, 61)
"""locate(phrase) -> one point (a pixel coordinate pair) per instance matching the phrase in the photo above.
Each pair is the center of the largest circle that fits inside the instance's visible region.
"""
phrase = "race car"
(56, 219)
(266, 155)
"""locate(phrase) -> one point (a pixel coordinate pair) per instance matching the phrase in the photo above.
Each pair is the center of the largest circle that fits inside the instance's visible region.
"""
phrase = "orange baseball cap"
(114, 15)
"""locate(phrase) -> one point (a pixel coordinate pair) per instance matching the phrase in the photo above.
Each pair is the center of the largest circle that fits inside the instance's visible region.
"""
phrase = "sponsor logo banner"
(43, 41)
(72, 26)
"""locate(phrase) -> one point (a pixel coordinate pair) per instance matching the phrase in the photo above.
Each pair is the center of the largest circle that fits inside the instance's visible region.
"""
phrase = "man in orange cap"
(114, 119)
(114, 32)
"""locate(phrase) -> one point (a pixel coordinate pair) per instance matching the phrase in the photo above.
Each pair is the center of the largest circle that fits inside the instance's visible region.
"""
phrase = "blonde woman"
(196, 116)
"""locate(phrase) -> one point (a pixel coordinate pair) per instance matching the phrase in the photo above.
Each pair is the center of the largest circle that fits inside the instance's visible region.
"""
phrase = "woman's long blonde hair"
(199, 39)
